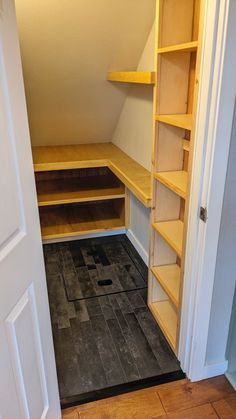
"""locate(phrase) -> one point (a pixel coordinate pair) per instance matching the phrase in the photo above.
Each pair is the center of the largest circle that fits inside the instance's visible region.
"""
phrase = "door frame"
(214, 123)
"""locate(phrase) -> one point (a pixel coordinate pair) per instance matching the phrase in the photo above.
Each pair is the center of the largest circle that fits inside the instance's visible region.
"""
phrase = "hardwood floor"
(213, 398)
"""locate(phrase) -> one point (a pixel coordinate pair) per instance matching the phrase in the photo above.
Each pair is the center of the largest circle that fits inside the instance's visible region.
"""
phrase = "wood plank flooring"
(208, 399)
(107, 340)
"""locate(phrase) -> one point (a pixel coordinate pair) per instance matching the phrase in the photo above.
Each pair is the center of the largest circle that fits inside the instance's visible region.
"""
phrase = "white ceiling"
(67, 48)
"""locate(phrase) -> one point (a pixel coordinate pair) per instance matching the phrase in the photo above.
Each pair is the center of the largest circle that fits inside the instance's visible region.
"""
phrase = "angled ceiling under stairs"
(67, 48)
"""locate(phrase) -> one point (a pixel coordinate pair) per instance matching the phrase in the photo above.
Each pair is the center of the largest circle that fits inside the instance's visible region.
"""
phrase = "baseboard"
(210, 371)
(231, 376)
(87, 236)
(138, 246)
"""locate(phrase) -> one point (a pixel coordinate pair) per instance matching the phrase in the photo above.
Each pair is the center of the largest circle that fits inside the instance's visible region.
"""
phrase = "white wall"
(225, 274)
(133, 134)
(67, 48)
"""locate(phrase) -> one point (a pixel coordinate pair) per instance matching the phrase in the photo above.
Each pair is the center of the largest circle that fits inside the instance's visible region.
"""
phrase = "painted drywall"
(133, 134)
(67, 48)
(225, 278)
(138, 231)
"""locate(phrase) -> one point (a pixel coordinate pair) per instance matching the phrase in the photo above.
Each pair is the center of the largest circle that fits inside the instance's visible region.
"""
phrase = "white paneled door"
(28, 383)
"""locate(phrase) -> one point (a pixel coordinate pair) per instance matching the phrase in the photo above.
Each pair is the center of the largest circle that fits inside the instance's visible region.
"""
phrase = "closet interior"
(89, 189)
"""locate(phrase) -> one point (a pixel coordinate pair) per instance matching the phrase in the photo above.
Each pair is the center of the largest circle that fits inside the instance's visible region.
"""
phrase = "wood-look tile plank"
(181, 395)
(127, 361)
(226, 408)
(141, 405)
(157, 341)
(132, 343)
(92, 375)
(111, 363)
(205, 411)
(152, 366)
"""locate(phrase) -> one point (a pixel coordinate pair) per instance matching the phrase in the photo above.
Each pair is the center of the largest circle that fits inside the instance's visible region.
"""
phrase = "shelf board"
(140, 77)
(172, 233)
(75, 220)
(80, 156)
(186, 145)
(67, 191)
(186, 47)
(180, 120)
(176, 181)
(168, 277)
(166, 317)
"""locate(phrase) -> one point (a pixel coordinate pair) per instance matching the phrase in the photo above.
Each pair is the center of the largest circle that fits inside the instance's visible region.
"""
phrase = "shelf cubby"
(186, 145)
(179, 120)
(137, 77)
(175, 181)
(172, 233)
(79, 219)
(168, 277)
(186, 47)
(166, 317)
(74, 186)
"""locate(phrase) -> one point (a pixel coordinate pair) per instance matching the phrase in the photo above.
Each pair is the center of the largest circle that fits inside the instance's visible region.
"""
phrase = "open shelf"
(179, 120)
(167, 320)
(176, 181)
(140, 77)
(172, 233)
(168, 277)
(186, 47)
(186, 145)
(80, 156)
(74, 220)
(66, 187)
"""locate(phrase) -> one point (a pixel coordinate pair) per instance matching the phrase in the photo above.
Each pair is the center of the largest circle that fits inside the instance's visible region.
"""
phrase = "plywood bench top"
(133, 175)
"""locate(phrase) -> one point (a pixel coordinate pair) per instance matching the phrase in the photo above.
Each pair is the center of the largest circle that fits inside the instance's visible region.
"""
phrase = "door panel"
(27, 360)
(28, 381)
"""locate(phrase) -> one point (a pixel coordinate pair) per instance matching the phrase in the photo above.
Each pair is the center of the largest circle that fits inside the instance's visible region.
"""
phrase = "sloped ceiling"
(67, 47)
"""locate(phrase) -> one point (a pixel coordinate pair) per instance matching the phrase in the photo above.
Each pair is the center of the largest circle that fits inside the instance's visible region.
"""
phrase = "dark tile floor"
(106, 340)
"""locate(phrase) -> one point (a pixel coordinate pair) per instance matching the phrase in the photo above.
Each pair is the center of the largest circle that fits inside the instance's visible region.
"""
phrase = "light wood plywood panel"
(176, 181)
(179, 120)
(186, 145)
(61, 191)
(133, 175)
(168, 277)
(172, 232)
(138, 77)
(186, 47)
(74, 220)
(166, 317)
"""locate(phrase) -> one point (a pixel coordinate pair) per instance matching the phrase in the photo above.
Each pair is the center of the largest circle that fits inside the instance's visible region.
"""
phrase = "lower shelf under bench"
(73, 220)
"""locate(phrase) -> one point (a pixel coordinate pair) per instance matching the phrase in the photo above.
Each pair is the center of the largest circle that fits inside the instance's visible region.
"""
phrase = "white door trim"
(213, 131)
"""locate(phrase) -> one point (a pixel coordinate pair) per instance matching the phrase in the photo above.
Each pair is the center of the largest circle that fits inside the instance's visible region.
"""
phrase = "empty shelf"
(186, 47)
(180, 120)
(172, 233)
(75, 220)
(176, 181)
(66, 191)
(133, 175)
(141, 77)
(168, 277)
(166, 317)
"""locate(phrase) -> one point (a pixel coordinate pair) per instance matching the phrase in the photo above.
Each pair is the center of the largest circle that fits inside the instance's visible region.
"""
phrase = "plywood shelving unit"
(138, 77)
(83, 189)
(178, 55)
